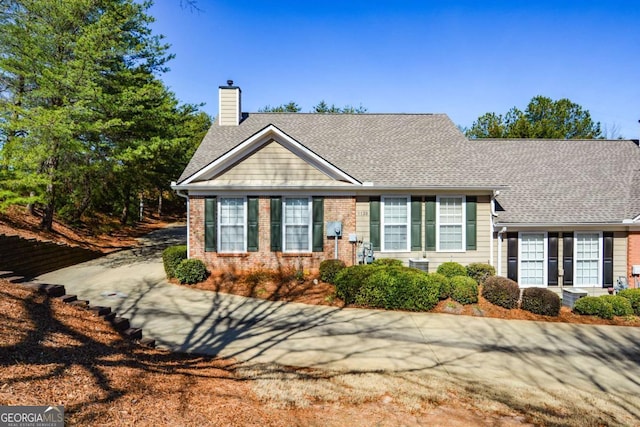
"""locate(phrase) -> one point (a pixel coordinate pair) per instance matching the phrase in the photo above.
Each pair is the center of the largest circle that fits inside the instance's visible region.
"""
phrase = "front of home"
(291, 190)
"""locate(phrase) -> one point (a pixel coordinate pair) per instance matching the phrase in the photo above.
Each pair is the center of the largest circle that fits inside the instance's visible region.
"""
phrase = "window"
(588, 251)
(395, 223)
(533, 254)
(450, 231)
(232, 229)
(297, 220)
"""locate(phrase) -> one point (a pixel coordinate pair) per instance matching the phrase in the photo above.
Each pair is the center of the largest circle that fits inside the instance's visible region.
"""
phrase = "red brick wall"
(633, 254)
(335, 209)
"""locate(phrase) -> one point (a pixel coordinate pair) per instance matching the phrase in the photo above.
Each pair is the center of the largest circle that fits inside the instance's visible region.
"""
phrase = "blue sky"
(462, 58)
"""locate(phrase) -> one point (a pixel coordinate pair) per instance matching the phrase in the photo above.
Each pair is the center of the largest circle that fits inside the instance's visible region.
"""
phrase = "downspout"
(186, 196)
(492, 214)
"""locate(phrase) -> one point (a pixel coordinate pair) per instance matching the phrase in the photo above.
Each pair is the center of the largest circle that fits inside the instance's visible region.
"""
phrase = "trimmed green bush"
(501, 291)
(191, 271)
(399, 288)
(451, 269)
(620, 305)
(464, 290)
(480, 272)
(330, 268)
(633, 295)
(388, 262)
(540, 301)
(443, 283)
(594, 306)
(171, 257)
(349, 281)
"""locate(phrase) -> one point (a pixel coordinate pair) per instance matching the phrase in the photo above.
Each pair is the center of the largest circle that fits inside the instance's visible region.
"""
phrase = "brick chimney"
(229, 111)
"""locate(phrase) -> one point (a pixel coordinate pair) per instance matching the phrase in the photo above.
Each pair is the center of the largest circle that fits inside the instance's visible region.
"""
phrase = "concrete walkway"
(534, 354)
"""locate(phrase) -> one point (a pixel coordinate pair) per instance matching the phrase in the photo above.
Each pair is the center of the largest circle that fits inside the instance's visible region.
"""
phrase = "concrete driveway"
(522, 353)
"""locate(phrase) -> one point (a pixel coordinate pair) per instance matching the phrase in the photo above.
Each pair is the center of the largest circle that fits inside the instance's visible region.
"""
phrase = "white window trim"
(244, 225)
(464, 223)
(382, 223)
(600, 258)
(545, 260)
(309, 224)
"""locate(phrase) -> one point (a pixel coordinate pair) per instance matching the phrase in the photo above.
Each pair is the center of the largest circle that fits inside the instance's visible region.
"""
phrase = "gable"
(272, 164)
(270, 157)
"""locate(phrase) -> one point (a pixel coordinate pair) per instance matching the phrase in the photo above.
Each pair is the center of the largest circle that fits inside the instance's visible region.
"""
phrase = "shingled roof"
(540, 181)
(564, 181)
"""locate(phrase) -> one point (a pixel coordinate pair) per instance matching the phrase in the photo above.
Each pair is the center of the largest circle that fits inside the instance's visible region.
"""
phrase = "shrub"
(330, 268)
(633, 295)
(620, 305)
(464, 290)
(480, 272)
(541, 301)
(594, 306)
(501, 291)
(451, 269)
(171, 257)
(349, 281)
(443, 283)
(191, 271)
(388, 262)
(399, 288)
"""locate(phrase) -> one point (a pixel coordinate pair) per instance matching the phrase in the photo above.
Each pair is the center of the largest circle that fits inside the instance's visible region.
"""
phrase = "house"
(267, 189)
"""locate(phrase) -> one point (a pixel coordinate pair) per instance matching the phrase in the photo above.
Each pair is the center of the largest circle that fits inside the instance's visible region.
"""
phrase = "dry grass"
(53, 353)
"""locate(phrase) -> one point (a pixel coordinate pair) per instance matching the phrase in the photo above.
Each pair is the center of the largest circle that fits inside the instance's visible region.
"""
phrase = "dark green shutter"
(472, 202)
(607, 259)
(512, 256)
(416, 223)
(210, 223)
(276, 224)
(430, 223)
(318, 224)
(552, 259)
(374, 222)
(253, 209)
(567, 258)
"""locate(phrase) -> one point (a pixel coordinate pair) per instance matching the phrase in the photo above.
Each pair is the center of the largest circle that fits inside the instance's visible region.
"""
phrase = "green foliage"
(633, 295)
(323, 108)
(330, 268)
(291, 107)
(594, 306)
(349, 281)
(172, 257)
(191, 271)
(540, 301)
(399, 288)
(501, 291)
(620, 305)
(543, 118)
(480, 272)
(464, 290)
(443, 283)
(451, 269)
(85, 123)
(389, 262)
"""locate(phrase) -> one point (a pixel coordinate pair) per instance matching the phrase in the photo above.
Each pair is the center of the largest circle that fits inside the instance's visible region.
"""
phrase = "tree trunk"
(86, 200)
(50, 166)
(159, 204)
(31, 207)
(124, 216)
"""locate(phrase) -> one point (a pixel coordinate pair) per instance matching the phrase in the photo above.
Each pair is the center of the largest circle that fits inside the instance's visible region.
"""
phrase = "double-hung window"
(533, 255)
(396, 220)
(588, 259)
(297, 224)
(232, 228)
(450, 230)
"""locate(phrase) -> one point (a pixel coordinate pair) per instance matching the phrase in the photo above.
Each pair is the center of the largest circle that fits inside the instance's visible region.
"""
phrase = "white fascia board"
(559, 224)
(256, 141)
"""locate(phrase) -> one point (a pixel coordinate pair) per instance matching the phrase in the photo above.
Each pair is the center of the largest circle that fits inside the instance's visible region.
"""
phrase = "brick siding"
(335, 209)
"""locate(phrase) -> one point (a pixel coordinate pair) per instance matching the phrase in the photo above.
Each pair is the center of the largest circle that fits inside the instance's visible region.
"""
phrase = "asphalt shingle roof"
(549, 181)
